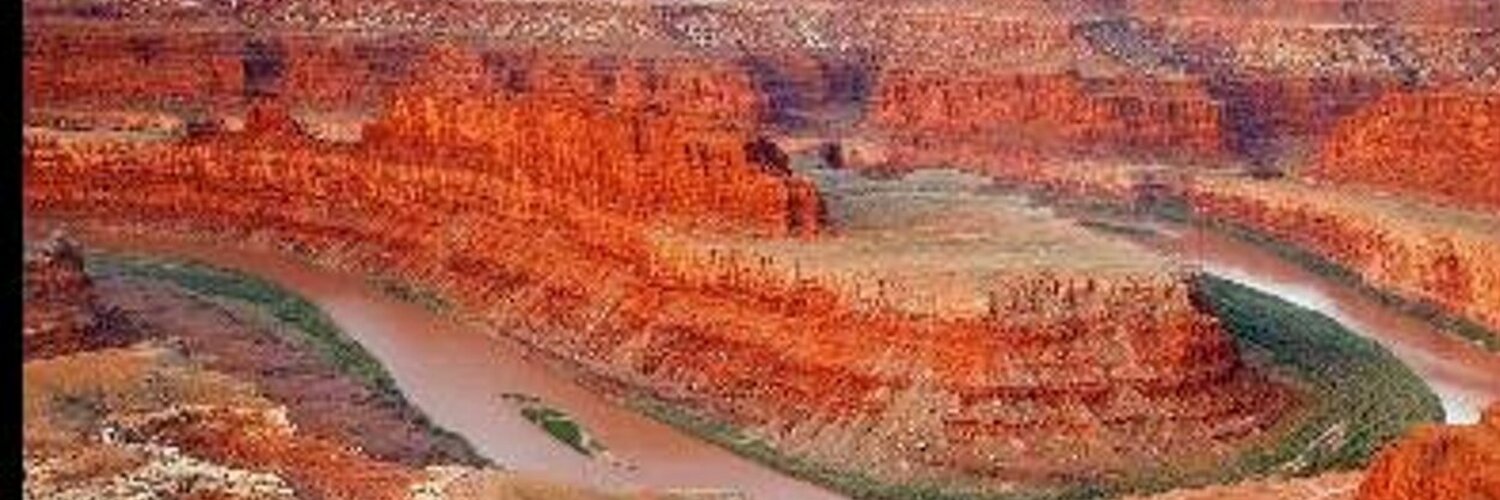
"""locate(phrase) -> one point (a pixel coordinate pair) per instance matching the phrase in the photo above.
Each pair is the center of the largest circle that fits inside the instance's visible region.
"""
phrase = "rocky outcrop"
(140, 421)
(123, 67)
(217, 403)
(1443, 145)
(136, 440)
(1423, 253)
(1439, 463)
(634, 141)
(59, 311)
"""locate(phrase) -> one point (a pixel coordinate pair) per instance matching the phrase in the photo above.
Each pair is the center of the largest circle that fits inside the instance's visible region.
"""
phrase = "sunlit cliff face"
(616, 184)
(759, 347)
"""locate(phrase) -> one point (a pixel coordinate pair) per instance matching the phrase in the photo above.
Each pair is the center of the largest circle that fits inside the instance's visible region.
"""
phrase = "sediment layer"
(1020, 393)
(1440, 145)
(1144, 76)
(1061, 110)
(1421, 252)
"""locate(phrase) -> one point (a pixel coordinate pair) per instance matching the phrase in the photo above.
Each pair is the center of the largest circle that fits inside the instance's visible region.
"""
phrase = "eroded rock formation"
(541, 243)
(1439, 463)
(1444, 145)
(1137, 77)
(1059, 110)
(1424, 253)
(60, 315)
(524, 183)
(639, 142)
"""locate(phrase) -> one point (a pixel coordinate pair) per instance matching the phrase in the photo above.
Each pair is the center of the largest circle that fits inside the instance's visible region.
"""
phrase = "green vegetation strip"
(1361, 396)
(313, 327)
(1358, 397)
(848, 482)
(563, 428)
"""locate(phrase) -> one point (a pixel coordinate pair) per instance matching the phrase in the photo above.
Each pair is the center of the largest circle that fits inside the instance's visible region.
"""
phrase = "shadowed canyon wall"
(1062, 110)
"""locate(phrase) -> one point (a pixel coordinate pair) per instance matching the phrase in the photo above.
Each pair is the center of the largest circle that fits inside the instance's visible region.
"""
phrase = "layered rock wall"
(1055, 109)
(1020, 394)
(1431, 255)
(644, 143)
(1442, 145)
(90, 67)
(1135, 76)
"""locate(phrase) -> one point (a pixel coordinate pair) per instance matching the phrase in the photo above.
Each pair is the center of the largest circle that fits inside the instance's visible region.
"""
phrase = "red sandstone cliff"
(1177, 82)
(523, 187)
(1439, 144)
(814, 374)
(639, 143)
(1430, 254)
(1058, 110)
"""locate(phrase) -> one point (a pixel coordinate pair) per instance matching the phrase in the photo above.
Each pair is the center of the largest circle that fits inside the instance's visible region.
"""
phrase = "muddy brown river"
(457, 372)
(458, 375)
(1465, 377)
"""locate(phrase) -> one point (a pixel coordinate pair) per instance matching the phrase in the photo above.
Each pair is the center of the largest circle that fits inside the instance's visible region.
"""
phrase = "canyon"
(1421, 251)
(734, 354)
(189, 400)
(849, 233)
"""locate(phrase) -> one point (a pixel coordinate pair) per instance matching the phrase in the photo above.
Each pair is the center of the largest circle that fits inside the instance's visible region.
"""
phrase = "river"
(457, 374)
(1465, 377)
